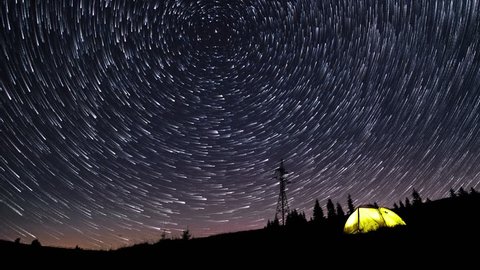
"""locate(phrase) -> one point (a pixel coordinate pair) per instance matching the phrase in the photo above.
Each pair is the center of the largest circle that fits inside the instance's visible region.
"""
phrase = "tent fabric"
(367, 219)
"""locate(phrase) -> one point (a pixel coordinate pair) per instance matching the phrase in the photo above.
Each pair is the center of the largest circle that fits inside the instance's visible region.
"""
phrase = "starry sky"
(120, 120)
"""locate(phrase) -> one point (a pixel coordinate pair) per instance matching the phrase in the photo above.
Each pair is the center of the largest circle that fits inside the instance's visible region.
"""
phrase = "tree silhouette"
(186, 235)
(340, 212)
(294, 218)
(163, 236)
(36, 243)
(462, 192)
(318, 212)
(452, 193)
(407, 202)
(401, 204)
(291, 216)
(417, 200)
(473, 191)
(331, 213)
(351, 208)
(17, 241)
(395, 206)
(303, 218)
(274, 223)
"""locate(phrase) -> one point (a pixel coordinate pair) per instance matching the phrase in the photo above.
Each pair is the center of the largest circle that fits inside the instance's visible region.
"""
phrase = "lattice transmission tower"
(282, 204)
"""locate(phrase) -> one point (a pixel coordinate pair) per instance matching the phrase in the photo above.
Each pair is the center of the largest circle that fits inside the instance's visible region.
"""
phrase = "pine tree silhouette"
(290, 219)
(276, 222)
(462, 192)
(318, 212)
(417, 200)
(340, 212)
(294, 218)
(331, 213)
(163, 236)
(452, 193)
(473, 191)
(186, 235)
(395, 206)
(407, 202)
(351, 208)
(401, 204)
(303, 217)
(273, 224)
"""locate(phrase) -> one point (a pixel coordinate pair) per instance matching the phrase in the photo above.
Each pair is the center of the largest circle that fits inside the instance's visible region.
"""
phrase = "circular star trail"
(120, 120)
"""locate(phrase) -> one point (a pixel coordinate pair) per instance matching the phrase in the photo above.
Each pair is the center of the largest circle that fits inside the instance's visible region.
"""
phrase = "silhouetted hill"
(445, 229)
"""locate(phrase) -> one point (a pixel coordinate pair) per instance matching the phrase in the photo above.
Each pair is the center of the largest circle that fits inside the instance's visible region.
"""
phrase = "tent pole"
(358, 218)
(381, 214)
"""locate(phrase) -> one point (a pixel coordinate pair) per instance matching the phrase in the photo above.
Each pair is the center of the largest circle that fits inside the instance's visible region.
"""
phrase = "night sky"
(122, 119)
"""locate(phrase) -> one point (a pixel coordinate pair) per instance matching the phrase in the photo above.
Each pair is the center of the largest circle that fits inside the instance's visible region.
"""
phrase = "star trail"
(121, 120)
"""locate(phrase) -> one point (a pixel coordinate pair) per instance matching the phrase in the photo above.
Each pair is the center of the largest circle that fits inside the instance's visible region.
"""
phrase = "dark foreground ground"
(443, 233)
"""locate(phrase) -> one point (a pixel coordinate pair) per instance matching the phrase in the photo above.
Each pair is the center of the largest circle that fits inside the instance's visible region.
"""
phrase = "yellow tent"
(366, 219)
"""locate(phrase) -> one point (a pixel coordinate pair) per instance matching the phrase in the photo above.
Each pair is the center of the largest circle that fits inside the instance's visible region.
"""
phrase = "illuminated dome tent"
(370, 218)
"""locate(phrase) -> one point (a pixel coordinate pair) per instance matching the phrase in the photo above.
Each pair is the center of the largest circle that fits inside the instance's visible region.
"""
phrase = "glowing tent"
(370, 218)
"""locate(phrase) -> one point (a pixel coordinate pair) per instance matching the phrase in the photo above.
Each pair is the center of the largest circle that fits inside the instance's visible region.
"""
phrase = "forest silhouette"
(438, 230)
